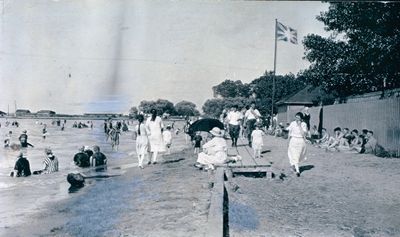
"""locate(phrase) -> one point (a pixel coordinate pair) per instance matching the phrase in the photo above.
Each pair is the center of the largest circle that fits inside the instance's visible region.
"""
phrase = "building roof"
(22, 111)
(46, 111)
(306, 96)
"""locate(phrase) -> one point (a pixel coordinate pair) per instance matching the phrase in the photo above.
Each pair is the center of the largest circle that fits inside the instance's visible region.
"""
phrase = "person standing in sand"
(167, 137)
(154, 125)
(257, 140)
(234, 118)
(297, 142)
(142, 142)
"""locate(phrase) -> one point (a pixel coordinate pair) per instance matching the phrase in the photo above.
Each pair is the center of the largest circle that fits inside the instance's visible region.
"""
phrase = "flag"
(286, 33)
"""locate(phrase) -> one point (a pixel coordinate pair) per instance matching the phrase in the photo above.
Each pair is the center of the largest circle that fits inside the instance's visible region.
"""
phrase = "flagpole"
(273, 76)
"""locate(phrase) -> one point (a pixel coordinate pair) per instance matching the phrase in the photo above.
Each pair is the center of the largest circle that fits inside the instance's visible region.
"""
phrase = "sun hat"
(216, 131)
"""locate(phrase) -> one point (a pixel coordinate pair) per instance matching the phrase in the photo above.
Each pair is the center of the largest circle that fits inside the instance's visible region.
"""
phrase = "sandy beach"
(338, 194)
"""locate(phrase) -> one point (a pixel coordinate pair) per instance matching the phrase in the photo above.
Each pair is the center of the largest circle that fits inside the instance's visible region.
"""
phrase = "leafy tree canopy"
(362, 53)
(186, 108)
(230, 89)
(162, 106)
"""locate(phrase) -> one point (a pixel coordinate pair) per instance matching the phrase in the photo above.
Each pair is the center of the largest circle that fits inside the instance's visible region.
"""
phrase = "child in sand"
(197, 142)
(257, 141)
(167, 137)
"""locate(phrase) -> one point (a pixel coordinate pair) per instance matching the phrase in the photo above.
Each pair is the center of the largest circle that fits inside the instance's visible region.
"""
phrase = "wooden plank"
(215, 222)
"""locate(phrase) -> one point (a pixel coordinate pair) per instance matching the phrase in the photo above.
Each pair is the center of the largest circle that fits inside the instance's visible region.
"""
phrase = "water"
(23, 196)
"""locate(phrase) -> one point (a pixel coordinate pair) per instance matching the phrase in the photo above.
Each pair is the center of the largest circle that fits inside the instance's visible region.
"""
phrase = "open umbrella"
(204, 125)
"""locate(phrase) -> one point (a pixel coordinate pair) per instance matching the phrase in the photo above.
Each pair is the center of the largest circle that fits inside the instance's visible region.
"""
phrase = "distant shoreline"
(68, 117)
(78, 117)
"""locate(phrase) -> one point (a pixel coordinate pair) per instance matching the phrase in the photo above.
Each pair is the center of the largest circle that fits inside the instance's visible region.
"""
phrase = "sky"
(93, 56)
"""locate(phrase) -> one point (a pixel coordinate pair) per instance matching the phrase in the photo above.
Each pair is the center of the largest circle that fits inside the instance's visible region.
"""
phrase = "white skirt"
(297, 150)
(205, 159)
(142, 145)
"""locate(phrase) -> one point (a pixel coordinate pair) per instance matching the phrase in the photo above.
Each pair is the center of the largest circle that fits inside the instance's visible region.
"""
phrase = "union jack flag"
(286, 33)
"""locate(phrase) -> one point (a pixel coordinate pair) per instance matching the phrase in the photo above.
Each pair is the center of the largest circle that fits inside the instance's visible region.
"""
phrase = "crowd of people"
(152, 138)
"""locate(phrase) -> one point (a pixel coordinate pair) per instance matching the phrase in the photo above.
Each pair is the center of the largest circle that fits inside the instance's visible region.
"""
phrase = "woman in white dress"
(214, 151)
(154, 125)
(142, 142)
(297, 142)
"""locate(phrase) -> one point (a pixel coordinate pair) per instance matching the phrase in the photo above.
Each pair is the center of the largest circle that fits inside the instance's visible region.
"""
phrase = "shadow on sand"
(306, 167)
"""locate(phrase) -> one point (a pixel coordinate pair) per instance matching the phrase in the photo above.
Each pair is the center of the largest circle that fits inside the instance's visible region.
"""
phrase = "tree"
(362, 53)
(133, 112)
(146, 106)
(213, 107)
(162, 106)
(186, 108)
(284, 86)
(229, 89)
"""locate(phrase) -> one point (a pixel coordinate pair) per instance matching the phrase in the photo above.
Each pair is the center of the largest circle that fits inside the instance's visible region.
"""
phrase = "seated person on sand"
(344, 143)
(335, 140)
(314, 134)
(214, 151)
(323, 142)
(22, 167)
(356, 140)
(81, 158)
(98, 158)
(278, 130)
(348, 136)
(370, 145)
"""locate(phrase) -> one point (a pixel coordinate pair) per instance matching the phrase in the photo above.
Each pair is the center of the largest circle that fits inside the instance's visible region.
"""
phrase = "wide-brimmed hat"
(216, 131)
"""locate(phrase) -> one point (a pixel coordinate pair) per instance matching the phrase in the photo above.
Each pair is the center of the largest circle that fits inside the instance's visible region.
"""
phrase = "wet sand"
(170, 198)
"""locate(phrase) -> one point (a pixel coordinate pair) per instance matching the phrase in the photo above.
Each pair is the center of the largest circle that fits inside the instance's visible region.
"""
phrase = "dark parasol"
(204, 125)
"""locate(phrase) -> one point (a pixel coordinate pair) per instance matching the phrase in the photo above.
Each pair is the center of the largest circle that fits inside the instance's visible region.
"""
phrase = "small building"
(22, 112)
(102, 115)
(46, 113)
(289, 106)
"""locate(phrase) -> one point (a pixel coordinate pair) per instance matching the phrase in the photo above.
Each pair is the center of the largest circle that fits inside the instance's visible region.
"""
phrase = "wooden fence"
(380, 116)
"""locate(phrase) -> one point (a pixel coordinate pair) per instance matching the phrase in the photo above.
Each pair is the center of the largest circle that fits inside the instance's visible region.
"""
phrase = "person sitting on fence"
(335, 140)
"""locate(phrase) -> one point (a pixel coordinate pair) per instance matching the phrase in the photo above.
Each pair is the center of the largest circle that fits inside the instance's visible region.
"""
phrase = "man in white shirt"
(251, 116)
(234, 117)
